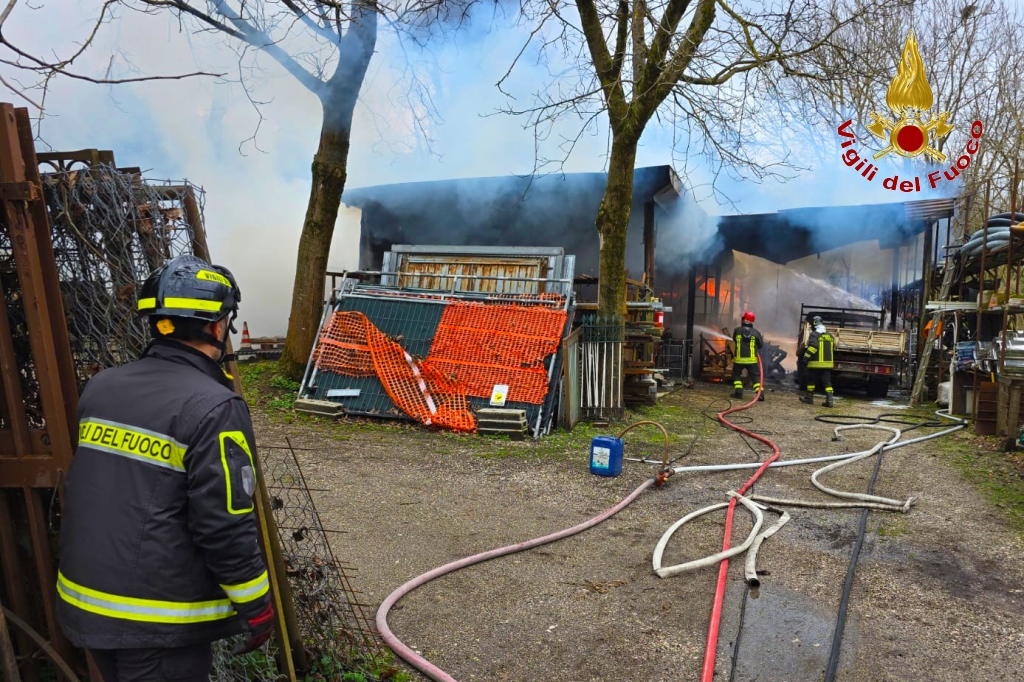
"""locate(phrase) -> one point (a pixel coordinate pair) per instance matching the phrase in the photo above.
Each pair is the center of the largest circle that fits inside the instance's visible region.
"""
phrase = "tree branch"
(303, 16)
(703, 17)
(258, 39)
(622, 19)
(7, 13)
(666, 30)
(45, 68)
(208, 19)
(640, 15)
(611, 85)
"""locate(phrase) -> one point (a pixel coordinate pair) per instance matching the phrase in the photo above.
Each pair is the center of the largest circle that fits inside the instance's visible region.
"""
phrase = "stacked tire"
(997, 235)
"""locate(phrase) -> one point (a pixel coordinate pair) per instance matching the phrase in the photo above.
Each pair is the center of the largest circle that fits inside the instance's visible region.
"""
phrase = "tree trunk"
(330, 170)
(612, 225)
(329, 174)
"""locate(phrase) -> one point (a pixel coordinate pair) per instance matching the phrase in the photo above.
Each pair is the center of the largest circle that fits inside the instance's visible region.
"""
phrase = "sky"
(256, 197)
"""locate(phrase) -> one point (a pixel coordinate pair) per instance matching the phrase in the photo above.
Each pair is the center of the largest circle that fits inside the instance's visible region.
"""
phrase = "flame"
(909, 89)
(708, 287)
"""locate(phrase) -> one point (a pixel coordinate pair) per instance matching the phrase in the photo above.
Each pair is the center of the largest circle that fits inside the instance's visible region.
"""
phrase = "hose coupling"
(663, 476)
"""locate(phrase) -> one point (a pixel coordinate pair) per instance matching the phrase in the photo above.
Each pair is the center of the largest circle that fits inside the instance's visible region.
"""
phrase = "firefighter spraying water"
(749, 343)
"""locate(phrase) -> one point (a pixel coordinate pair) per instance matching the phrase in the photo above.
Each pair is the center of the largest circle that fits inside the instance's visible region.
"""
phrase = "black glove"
(260, 629)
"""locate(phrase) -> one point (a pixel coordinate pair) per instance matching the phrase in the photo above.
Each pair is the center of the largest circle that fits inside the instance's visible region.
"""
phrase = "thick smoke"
(686, 235)
(775, 294)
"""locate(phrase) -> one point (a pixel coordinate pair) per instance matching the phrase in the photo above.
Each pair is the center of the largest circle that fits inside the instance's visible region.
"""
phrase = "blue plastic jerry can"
(606, 456)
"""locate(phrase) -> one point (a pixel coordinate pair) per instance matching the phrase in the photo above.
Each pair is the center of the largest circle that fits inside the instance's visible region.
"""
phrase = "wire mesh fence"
(334, 623)
(332, 618)
(13, 300)
(110, 230)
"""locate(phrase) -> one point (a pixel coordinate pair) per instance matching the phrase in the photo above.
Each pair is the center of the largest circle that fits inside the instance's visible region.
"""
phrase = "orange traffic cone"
(246, 343)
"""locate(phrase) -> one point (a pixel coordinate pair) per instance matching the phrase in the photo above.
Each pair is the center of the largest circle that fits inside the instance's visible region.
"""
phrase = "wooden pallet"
(867, 339)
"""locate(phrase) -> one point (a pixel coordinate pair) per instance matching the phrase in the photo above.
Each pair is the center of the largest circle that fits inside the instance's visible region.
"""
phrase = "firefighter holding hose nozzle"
(748, 346)
(818, 361)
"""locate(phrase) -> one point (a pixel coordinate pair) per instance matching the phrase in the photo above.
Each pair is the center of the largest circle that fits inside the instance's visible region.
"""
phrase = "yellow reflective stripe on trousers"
(132, 442)
(144, 610)
(246, 592)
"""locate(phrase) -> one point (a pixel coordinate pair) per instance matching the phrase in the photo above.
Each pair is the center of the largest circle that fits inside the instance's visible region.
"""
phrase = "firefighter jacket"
(748, 344)
(158, 539)
(820, 351)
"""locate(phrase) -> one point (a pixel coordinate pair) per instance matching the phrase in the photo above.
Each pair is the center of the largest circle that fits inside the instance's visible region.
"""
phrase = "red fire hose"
(708, 671)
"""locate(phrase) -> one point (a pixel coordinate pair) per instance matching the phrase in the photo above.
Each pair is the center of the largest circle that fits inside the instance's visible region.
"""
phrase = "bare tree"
(973, 64)
(326, 45)
(32, 71)
(706, 67)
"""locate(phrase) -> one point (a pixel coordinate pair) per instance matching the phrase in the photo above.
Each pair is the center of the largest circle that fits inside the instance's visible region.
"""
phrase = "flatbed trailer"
(865, 356)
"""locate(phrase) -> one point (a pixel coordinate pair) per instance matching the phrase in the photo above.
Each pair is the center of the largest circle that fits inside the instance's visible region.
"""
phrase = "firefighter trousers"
(819, 376)
(752, 373)
(180, 664)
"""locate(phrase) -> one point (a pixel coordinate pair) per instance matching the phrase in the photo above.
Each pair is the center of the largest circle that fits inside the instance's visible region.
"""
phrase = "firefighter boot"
(828, 399)
(807, 398)
(760, 396)
(738, 394)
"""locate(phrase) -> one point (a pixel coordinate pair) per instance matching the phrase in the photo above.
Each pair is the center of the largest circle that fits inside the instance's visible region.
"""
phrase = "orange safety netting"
(350, 344)
(484, 345)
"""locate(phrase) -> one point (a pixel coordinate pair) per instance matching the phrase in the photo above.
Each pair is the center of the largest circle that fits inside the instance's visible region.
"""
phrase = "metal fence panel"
(572, 398)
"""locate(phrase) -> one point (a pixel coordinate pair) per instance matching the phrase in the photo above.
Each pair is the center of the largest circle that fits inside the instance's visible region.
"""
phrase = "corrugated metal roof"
(929, 209)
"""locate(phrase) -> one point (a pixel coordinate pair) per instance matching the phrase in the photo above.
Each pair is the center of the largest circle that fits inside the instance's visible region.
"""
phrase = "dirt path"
(938, 593)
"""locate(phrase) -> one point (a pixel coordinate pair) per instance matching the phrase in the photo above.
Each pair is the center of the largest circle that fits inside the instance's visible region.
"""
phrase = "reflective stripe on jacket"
(820, 352)
(158, 537)
(748, 342)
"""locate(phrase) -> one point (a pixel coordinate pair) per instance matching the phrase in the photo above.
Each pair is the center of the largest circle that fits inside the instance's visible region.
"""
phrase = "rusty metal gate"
(38, 397)
(74, 244)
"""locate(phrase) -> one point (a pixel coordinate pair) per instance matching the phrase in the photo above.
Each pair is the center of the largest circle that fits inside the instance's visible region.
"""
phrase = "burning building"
(707, 268)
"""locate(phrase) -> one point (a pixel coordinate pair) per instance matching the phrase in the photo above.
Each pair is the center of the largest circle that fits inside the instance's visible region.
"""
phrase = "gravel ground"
(937, 594)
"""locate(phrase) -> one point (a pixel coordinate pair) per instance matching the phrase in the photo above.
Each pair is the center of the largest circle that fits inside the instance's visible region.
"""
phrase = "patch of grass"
(272, 394)
(893, 528)
(267, 389)
(999, 475)
(327, 669)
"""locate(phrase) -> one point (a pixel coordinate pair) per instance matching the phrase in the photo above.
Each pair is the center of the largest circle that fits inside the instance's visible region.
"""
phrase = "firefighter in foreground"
(748, 345)
(159, 555)
(818, 360)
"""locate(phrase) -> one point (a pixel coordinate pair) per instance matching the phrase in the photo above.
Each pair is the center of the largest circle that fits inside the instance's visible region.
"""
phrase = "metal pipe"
(309, 363)
(560, 280)
(981, 295)
(1009, 262)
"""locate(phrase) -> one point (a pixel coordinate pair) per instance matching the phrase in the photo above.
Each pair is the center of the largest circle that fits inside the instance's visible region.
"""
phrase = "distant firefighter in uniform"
(748, 346)
(818, 358)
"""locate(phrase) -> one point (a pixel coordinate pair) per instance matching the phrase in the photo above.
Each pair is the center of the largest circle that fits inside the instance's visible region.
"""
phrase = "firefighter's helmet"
(748, 317)
(189, 287)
